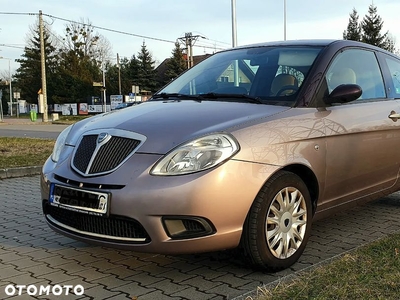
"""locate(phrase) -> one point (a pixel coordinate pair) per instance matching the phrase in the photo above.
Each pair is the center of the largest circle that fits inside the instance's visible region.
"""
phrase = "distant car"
(124, 105)
(244, 150)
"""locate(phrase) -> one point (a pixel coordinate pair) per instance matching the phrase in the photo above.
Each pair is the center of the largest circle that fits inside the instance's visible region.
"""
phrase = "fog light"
(187, 227)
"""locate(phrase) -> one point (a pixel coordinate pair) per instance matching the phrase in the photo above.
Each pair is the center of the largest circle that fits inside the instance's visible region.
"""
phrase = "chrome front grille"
(101, 152)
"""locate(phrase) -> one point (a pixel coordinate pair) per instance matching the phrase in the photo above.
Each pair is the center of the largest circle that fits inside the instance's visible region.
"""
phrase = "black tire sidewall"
(259, 211)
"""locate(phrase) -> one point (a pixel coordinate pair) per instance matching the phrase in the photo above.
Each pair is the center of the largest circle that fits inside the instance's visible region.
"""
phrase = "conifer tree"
(176, 64)
(353, 31)
(371, 28)
(130, 72)
(28, 76)
(146, 71)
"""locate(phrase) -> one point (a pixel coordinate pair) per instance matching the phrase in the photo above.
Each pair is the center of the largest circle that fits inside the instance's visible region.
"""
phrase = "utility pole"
(43, 67)
(189, 40)
(187, 44)
(104, 88)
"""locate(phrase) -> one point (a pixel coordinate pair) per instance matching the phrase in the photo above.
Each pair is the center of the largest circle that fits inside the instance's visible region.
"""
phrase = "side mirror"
(344, 93)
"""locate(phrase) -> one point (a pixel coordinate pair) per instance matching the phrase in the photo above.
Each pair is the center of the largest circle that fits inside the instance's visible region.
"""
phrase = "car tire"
(282, 211)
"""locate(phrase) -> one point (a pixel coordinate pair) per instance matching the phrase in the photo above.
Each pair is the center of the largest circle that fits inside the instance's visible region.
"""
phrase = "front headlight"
(197, 155)
(60, 143)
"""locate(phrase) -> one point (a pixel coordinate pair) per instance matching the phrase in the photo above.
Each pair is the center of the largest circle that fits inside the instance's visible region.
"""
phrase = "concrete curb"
(20, 172)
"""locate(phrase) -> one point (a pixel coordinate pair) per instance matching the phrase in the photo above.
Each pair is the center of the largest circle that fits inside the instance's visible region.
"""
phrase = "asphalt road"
(25, 128)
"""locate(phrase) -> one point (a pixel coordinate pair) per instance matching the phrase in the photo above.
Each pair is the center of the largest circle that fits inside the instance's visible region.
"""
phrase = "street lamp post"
(234, 30)
(234, 44)
(284, 20)
(9, 75)
(119, 75)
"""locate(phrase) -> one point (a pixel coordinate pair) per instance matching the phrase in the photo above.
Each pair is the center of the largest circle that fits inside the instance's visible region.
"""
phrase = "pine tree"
(4, 92)
(353, 31)
(390, 44)
(146, 71)
(369, 31)
(176, 63)
(129, 73)
(112, 79)
(28, 76)
(371, 28)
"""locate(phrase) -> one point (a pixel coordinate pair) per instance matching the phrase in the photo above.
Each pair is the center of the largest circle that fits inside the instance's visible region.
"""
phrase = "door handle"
(394, 116)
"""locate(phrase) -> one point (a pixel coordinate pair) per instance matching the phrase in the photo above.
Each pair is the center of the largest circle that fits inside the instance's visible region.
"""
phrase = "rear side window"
(360, 67)
(394, 68)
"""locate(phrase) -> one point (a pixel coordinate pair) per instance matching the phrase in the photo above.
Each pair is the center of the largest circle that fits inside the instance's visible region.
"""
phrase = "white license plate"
(79, 200)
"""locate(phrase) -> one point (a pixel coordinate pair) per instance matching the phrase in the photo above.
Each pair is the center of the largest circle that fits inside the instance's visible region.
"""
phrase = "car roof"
(314, 42)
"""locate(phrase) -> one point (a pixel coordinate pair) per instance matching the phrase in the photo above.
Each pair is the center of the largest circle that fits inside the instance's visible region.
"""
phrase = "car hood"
(167, 124)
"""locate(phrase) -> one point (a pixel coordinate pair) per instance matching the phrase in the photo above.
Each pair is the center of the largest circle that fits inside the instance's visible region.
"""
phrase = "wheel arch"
(309, 178)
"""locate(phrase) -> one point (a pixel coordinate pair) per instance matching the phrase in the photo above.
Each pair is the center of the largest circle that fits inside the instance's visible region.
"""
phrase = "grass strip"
(370, 272)
(24, 152)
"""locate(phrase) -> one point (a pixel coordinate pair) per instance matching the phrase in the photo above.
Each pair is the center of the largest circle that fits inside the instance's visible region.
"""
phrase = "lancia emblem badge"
(102, 137)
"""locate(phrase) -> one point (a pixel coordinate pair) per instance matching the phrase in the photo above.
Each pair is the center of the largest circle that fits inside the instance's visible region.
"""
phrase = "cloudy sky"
(154, 20)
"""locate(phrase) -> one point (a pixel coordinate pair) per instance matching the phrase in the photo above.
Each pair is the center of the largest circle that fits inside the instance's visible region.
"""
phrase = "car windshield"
(269, 75)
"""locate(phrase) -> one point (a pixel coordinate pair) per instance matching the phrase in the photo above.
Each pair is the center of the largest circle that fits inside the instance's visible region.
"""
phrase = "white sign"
(58, 107)
(70, 109)
(115, 100)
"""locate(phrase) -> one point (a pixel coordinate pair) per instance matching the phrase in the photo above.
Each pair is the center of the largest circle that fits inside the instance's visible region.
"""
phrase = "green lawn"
(23, 152)
(370, 272)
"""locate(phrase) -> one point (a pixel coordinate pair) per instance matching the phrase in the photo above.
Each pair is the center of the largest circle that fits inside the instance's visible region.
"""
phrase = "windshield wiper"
(248, 98)
(245, 97)
(166, 96)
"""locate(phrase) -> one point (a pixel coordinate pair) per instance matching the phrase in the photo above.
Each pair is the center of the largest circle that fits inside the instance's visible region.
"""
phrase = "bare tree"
(81, 38)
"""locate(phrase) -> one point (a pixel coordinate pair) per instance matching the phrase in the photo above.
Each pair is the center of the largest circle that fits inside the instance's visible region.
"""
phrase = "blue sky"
(257, 21)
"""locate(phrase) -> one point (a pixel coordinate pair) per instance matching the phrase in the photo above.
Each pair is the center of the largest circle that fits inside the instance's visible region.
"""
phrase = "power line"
(208, 45)
(108, 29)
(215, 41)
(94, 26)
(111, 30)
(12, 46)
(121, 32)
(13, 13)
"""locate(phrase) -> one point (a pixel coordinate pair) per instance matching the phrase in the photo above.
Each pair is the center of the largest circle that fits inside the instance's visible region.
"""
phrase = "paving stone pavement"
(33, 255)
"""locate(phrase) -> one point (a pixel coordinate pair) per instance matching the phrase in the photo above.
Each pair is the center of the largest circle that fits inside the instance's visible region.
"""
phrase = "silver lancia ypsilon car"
(244, 150)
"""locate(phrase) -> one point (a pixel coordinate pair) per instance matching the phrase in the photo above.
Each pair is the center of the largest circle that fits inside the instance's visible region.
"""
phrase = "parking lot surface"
(33, 255)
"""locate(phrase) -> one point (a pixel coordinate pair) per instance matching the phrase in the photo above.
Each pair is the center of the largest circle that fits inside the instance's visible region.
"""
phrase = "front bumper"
(213, 205)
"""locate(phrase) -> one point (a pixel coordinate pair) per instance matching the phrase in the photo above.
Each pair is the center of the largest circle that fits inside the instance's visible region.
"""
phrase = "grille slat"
(85, 152)
(193, 225)
(112, 226)
(108, 156)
